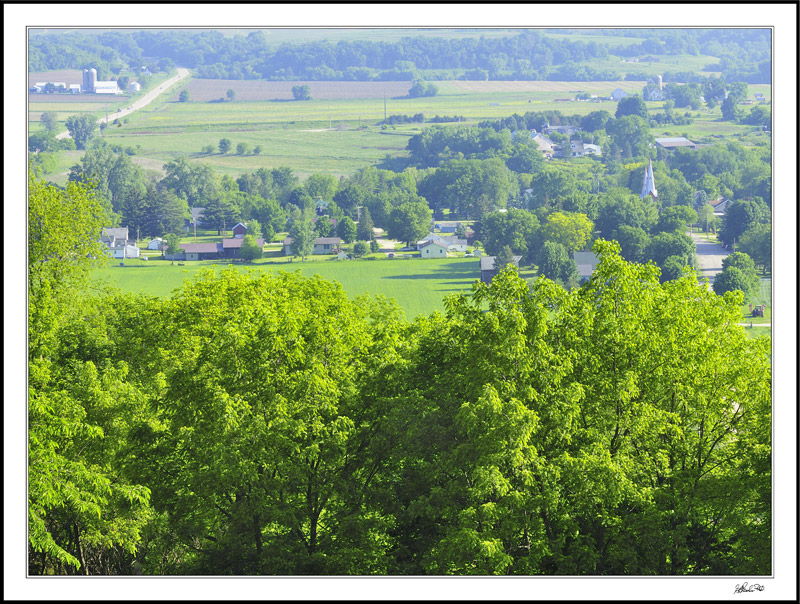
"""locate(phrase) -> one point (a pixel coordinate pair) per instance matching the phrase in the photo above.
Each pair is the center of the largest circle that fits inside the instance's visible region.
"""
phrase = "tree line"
(259, 424)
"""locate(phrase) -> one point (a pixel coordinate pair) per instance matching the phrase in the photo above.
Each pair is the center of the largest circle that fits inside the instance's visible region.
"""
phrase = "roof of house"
(326, 240)
(117, 232)
(237, 242)
(200, 248)
(675, 141)
(487, 262)
(436, 243)
(239, 224)
(586, 262)
(454, 241)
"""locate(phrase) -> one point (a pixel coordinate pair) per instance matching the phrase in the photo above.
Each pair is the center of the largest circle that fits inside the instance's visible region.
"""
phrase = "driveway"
(709, 256)
(142, 102)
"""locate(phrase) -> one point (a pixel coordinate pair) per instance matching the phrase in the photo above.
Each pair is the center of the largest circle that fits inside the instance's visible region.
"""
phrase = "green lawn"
(757, 332)
(419, 286)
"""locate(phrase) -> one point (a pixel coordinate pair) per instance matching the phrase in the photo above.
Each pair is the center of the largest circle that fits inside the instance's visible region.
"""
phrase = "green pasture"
(595, 36)
(758, 332)
(419, 286)
(696, 63)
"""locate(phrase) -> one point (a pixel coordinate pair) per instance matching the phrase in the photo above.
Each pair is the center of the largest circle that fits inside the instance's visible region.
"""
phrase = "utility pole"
(384, 105)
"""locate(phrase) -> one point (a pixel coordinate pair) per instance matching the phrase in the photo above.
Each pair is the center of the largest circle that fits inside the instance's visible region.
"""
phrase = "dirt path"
(142, 102)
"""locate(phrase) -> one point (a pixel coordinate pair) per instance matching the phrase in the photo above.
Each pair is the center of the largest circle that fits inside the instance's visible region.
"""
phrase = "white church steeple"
(649, 183)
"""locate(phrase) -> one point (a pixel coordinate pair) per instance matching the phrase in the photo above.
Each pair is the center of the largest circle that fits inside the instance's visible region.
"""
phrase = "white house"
(457, 245)
(126, 251)
(155, 244)
(134, 87)
(433, 249)
(432, 237)
(109, 87)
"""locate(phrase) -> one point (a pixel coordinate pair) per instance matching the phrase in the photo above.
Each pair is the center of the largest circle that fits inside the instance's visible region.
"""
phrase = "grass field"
(419, 286)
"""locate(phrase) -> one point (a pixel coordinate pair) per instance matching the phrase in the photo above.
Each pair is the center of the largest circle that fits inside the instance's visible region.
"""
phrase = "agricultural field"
(419, 286)
(201, 90)
(624, 65)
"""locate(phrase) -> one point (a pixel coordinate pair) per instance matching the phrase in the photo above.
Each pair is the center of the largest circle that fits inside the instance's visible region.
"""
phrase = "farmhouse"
(115, 237)
(322, 245)
(201, 251)
(488, 269)
(586, 263)
(123, 251)
(231, 247)
(545, 145)
(431, 237)
(720, 205)
(155, 244)
(433, 249)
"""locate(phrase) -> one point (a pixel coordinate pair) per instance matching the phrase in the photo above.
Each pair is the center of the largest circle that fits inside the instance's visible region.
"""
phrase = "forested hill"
(529, 55)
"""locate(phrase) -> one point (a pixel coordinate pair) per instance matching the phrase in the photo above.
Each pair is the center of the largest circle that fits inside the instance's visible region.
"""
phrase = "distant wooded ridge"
(531, 55)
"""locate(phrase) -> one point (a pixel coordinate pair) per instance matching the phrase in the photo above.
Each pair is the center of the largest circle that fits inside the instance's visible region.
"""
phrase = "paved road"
(142, 102)
(709, 256)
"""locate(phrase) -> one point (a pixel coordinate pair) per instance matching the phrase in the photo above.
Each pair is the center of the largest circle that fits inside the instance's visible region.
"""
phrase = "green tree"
(672, 268)
(250, 249)
(81, 128)
(555, 263)
(79, 508)
(302, 238)
(364, 231)
(756, 242)
(231, 94)
(504, 257)
(596, 120)
(573, 230)
(409, 222)
(360, 248)
(664, 245)
(675, 218)
(746, 265)
(242, 148)
(324, 227)
(184, 95)
(631, 105)
(49, 120)
(257, 150)
(224, 145)
(733, 279)
(42, 142)
(321, 186)
(301, 92)
(515, 228)
(173, 245)
(741, 216)
(633, 242)
(208, 149)
(630, 135)
(346, 229)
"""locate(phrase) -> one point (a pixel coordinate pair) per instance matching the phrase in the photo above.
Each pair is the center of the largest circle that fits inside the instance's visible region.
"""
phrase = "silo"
(92, 79)
(660, 82)
(85, 82)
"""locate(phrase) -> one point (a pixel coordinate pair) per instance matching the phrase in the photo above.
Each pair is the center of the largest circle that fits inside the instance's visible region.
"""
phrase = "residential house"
(720, 205)
(115, 237)
(456, 245)
(239, 230)
(431, 237)
(488, 269)
(586, 263)
(231, 247)
(201, 251)
(652, 93)
(674, 142)
(578, 149)
(322, 245)
(565, 129)
(433, 249)
(156, 244)
(447, 227)
(545, 145)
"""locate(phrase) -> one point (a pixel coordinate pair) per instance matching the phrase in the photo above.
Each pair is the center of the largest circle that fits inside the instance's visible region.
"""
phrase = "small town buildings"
(652, 93)
(674, 142)
(578, 149)
(109, 87)
(134, 87)
(565, 129)
(231, 247)
(488, 269)
(433, 249)
(545, 145)
(239, 230)
(322, 245)
(456, 245)
(586, 263)
(156, 244)
(431, 237)
(75, 88)
(201, 251)
(115, 237)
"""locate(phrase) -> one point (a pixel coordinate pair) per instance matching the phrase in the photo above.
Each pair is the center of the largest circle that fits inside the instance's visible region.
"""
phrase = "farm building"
(586, 263)
(675, 141)
(488, 269)
(239, 231)
(618, 94)
(123, 251)
(231, 247)
(115, 237)
(155, 244)
(456, 245)
(201, 251)
(106, 87)
(322, 245)
(433, 249)
(75, 88)
(431, 237)
(134, 87)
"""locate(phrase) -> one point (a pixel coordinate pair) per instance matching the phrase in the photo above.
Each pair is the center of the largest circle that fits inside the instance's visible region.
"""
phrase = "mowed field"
(256, 90)
(418, 285)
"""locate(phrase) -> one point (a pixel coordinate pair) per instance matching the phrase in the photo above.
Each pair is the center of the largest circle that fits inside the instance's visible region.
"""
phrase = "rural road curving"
(709, 257)
(142, 102)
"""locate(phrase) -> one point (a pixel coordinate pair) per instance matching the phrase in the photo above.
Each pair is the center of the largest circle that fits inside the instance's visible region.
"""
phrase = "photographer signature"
(745, 588)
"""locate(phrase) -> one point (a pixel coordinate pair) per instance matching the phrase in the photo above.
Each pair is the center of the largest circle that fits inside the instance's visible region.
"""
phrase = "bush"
(360, 248)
